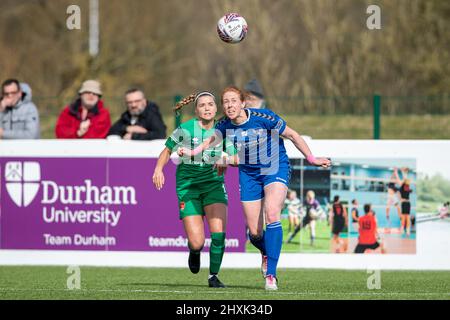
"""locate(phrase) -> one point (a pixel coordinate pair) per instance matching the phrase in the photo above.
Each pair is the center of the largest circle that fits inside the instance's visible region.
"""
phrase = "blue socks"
(258, 242)
(270, 244)
(273, 239)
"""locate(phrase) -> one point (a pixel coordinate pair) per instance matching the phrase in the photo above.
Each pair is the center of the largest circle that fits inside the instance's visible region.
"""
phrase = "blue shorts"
(252, 182)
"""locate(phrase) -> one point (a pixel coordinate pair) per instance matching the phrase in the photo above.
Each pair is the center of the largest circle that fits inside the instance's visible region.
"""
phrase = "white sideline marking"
(225, 291)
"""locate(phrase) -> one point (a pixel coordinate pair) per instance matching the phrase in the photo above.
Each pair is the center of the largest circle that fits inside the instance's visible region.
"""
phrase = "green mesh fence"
(325, 117)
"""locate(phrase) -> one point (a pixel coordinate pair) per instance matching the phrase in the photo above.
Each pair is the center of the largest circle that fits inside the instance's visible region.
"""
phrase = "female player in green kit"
(264, 171)
(200, 190)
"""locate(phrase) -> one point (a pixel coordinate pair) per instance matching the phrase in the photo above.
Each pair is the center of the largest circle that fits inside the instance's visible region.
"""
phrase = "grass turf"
(24, 282)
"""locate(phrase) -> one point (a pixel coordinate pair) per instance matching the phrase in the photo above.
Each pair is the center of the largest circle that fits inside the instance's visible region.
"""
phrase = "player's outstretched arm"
(404, 174)
(397, 177)
(301, 145)
(209, 142)
(158, 175)
(394, 176)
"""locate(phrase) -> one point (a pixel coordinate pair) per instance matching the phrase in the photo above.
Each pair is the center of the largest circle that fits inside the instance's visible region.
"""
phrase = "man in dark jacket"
(141, 121)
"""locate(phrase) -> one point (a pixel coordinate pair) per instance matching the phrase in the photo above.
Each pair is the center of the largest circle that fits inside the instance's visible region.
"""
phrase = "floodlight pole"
(94, 33)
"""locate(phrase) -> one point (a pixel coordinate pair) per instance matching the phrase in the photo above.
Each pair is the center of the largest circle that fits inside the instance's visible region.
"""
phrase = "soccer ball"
(232, 28)
(316, 214)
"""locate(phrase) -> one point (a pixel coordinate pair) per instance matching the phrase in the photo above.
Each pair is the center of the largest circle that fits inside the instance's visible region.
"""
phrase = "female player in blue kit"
(264, 171)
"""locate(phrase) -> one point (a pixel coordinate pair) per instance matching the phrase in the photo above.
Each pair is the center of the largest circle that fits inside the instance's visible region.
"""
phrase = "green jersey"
(197, 172)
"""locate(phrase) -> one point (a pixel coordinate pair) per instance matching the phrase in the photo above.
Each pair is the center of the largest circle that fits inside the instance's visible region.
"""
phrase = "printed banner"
(99, 204)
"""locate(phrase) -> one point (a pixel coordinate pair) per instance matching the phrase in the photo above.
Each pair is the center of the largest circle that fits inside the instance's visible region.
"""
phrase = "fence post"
(177, 98)
(376, 116)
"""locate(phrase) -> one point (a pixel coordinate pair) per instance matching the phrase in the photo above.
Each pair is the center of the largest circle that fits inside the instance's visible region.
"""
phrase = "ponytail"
(191, 98)
(186, 100)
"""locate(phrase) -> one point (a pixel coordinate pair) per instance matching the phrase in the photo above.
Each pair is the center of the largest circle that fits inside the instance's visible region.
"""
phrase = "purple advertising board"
(99, 204)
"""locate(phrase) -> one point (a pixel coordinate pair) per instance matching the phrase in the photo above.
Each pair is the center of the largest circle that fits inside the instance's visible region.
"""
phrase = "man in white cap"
(87, 117)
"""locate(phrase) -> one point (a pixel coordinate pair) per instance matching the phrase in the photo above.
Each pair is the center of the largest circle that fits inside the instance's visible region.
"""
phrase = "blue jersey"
(258, 140)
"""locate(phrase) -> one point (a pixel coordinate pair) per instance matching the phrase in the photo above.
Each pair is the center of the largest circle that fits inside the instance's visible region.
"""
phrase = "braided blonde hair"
(186, 100)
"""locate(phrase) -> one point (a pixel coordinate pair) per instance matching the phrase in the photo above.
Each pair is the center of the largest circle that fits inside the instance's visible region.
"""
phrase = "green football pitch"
(242, 284)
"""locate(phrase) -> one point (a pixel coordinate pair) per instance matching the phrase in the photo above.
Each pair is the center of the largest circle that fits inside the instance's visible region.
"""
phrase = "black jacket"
(149, 119)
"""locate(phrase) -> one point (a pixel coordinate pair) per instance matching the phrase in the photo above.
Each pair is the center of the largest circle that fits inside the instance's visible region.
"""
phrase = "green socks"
(216, 251)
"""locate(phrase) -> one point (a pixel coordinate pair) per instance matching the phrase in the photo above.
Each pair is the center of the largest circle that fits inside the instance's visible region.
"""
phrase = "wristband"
(311, 159)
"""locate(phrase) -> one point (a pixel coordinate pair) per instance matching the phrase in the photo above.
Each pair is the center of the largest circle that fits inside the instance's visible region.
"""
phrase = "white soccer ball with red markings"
(232, 28)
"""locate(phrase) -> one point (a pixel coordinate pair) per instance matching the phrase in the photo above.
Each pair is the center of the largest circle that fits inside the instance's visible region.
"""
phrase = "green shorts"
(192, 201)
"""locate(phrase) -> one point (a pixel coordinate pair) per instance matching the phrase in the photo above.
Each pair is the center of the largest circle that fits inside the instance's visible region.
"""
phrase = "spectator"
(19, 118)
(444, 210)
(293, 205)
(87, 117)
(141, 121)
(355, 215)
(368, 232)
(254, 96)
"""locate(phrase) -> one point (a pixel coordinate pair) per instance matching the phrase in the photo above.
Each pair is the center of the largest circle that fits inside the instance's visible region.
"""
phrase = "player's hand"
(233, 160)
(158, 179)
(221, 170)
(221, 165)
(322, 162)
(183, 152)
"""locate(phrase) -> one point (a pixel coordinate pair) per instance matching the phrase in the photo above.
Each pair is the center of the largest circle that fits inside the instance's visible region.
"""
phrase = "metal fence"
(352, 117)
